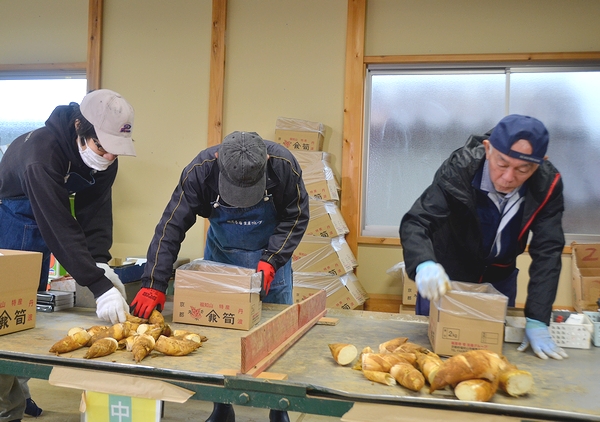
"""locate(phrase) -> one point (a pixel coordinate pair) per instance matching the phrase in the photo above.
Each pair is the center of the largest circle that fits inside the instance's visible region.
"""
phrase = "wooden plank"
(583, 56)
(265, 343)
(328, 321)
(41, 67)
(94, 48)
(262, 340)
(307, 309)
(217, 72)
(352, 146)
(280, 350)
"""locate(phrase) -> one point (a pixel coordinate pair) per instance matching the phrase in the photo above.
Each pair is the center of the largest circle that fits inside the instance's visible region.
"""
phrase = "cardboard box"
(325, 220)
(324, 255)
(317, 174)
(19, 280)
(297, 134)
(217, 295)
(103, 407)
(115, 397)
(585, 276)
(409, 289)
(343, 292)
(469, 317)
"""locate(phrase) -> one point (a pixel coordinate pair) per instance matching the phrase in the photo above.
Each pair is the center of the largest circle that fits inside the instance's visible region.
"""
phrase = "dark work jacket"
(443, 226)
(198, 188)
(35, 166)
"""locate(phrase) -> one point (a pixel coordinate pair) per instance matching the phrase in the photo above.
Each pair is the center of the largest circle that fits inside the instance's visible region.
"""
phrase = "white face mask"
(91, 159)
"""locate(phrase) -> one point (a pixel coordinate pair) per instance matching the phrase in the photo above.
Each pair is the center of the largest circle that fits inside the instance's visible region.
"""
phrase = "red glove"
(268, 274)
(146, 300)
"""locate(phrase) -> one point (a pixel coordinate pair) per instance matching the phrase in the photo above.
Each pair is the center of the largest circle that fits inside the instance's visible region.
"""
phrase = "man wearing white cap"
(74, 153)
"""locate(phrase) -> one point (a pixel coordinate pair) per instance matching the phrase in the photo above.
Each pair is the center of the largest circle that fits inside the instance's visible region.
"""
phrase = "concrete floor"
(62, 405)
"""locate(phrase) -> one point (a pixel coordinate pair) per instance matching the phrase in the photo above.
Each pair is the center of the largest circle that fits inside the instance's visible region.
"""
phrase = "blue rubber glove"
(538, 335)
(432, 280)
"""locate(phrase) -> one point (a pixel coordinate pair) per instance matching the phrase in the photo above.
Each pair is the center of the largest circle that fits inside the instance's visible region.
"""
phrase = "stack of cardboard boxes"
(323, 259)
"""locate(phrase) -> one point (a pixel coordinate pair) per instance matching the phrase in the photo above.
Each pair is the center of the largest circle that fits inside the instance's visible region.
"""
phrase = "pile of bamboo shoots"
(474, 375)
(136, 335)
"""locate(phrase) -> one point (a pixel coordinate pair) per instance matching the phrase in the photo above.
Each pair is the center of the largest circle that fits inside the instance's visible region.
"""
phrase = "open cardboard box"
(585, 276)
(470, 316)
(217, 295)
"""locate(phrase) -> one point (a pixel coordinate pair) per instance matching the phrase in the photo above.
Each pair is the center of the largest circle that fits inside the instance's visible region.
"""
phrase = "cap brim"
(242, 197)
(117, 145)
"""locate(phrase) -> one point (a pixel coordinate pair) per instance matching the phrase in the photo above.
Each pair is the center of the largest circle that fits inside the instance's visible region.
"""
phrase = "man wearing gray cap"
(252, 193)
(475, 218)
(74, 153)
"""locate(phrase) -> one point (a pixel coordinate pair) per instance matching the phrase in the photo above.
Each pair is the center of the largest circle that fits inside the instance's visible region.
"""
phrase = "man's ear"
(488, 148)
(217, 154)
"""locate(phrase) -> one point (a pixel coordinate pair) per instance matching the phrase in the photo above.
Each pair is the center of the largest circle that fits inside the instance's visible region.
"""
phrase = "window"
(27, 101)
(415, 117)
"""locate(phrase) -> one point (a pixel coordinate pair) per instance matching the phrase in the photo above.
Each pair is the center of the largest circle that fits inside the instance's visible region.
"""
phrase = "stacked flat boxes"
(323, 259)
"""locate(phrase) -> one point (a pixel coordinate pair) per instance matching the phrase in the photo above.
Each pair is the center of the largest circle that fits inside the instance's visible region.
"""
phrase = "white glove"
(111, 306)
(432, 281)
(113, 277)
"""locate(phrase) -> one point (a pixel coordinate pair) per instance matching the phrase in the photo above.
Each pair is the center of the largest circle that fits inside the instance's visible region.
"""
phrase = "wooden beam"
(586, 56)
(217, 72)
(94, 49)
(42, 67)
(352, 145)
(264, 344)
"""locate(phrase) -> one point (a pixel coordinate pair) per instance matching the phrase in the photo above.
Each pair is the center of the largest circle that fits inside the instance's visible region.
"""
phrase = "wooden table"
(567, 389)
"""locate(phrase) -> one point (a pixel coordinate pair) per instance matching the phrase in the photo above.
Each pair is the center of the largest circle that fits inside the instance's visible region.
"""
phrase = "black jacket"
(35, 166)
(199, 186)
(443, 226)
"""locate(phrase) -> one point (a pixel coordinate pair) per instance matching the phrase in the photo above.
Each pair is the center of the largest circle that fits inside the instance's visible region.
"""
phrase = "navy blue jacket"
(199, 187)
(443, 226)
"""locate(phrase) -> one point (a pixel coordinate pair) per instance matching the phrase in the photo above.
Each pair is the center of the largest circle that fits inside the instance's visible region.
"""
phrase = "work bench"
(314, 383)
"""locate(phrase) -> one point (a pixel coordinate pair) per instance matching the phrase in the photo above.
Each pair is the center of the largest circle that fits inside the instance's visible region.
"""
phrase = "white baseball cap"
(112, 117)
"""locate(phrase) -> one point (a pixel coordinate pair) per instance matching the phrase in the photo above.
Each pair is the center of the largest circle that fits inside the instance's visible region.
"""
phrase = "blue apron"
(19, 230)
(238, 236)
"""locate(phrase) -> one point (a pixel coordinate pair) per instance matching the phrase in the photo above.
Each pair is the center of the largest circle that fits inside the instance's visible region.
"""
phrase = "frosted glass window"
(416, 118)
(569, 105)
(25, 104)
(415, 122)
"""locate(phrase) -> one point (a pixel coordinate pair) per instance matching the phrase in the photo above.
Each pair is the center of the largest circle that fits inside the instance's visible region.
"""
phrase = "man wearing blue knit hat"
(475, 218)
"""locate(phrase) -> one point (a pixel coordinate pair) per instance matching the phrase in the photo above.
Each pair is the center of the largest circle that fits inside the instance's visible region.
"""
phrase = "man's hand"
(432, 281)
(542, 344)
(146, 301)
(268, 274)
(111, 306)
(113, 277)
